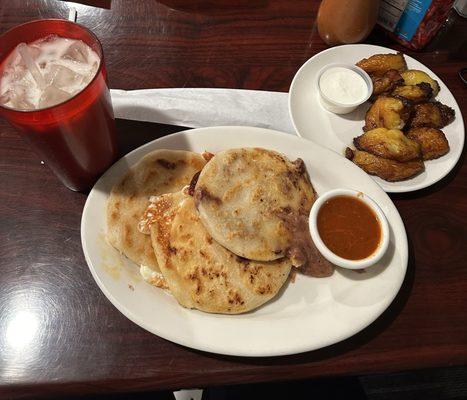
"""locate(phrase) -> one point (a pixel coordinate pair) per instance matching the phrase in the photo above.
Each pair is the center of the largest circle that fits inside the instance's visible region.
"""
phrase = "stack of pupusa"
(227, 244)
(161, 171)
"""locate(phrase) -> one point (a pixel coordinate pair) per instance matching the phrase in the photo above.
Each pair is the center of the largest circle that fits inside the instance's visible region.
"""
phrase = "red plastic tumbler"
(76, 137)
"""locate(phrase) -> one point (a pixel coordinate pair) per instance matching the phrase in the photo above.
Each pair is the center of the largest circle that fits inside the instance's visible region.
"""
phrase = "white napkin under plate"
(196, 108)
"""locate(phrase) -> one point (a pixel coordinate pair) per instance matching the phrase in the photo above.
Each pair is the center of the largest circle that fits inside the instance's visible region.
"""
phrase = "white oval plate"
(306, 315)
(336, 132)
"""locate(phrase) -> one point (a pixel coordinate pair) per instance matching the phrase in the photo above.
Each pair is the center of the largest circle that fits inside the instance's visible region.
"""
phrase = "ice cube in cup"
(24, 51)
(34, 51)
(6, 97)
(63, 77)
(17, 96)
(89, 76)
(19, 72)
(52, 96)
(78, 52)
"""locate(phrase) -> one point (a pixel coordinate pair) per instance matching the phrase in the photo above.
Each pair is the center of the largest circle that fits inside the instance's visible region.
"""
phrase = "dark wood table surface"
(77, 341)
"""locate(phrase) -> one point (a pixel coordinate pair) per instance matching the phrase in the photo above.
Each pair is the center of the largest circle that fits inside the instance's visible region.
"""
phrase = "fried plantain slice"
(379, 64)
(389, 170)
(419, 93)
(386, 83)
(388, 143)
(414, 77)
(387, 112)
(431, 115)
(432, 141)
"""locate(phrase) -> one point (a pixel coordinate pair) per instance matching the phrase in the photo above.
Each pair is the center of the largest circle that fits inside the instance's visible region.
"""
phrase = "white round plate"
(306, 315)
(336, 132)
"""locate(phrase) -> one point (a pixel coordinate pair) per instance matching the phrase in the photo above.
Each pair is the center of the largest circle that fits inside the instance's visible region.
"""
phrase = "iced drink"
(53, 88)
(46, 72)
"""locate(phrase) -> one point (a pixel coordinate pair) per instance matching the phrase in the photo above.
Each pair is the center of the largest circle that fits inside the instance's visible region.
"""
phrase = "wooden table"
(78, 342)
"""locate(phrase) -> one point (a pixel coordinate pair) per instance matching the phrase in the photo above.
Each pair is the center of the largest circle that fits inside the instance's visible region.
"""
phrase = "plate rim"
(122, 308)
(386, 189)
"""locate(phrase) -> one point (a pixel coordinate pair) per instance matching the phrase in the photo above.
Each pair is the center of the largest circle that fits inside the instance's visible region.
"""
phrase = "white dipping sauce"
(342, 85)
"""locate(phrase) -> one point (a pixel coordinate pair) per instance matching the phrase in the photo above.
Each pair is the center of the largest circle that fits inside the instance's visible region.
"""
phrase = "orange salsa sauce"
(349, 228)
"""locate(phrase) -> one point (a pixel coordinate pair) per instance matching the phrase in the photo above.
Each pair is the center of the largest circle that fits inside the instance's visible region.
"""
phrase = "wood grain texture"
(60, 335)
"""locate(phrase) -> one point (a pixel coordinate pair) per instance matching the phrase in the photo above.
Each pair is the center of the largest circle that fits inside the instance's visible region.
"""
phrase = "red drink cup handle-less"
(77, 137)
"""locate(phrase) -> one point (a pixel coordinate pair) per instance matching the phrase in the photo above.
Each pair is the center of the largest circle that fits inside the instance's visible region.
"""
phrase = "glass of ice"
(53, 89)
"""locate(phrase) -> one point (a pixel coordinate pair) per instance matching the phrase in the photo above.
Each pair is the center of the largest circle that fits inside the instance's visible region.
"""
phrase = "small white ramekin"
(334, 258)
(341, 108)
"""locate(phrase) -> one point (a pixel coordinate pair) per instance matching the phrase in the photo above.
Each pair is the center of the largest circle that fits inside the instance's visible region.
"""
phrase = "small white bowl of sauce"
(349, 229)
(343, 87)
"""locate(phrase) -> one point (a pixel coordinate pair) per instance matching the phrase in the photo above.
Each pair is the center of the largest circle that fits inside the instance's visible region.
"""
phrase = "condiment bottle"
(346, 21)
(417, 23)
